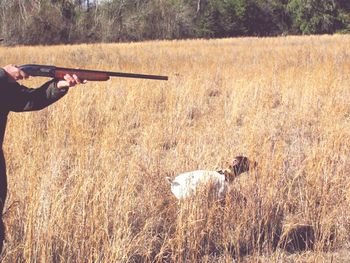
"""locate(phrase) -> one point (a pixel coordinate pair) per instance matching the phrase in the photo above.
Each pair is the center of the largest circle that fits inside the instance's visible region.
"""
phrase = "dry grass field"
(86, 175)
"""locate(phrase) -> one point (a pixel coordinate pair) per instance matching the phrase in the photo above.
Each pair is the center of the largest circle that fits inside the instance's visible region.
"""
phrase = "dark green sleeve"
(22, 98)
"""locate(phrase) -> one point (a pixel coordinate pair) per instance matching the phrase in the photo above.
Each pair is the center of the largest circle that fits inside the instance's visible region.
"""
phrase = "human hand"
(14, 73)
(69, 81)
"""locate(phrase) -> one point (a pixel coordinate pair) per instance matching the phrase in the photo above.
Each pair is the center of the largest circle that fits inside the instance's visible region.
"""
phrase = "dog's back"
(186, 184)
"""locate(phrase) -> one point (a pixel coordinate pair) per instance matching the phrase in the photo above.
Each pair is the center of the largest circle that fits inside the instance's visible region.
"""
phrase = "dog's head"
(239, 165)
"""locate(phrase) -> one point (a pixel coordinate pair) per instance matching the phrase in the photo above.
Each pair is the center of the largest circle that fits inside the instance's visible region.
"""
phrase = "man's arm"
(21, 98)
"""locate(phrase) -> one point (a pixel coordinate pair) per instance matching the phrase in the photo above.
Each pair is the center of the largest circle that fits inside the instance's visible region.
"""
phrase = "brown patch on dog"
(239, 165)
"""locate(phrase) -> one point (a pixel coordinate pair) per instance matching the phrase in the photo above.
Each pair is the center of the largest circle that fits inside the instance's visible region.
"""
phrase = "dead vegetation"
(86, 176)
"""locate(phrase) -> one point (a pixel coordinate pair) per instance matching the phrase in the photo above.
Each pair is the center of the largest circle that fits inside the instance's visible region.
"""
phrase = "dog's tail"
(168, 179)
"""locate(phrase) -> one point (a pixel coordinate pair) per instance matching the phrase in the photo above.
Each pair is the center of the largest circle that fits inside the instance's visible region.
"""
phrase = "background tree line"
(78, 21)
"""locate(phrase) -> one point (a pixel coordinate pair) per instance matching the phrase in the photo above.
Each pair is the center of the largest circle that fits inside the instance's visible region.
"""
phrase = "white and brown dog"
(186, 184)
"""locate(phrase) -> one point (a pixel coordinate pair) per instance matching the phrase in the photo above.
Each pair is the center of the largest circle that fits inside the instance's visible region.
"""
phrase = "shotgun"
(83, 74)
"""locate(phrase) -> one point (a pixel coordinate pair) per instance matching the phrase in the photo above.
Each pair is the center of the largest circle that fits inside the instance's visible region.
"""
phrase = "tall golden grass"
(86, 175)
